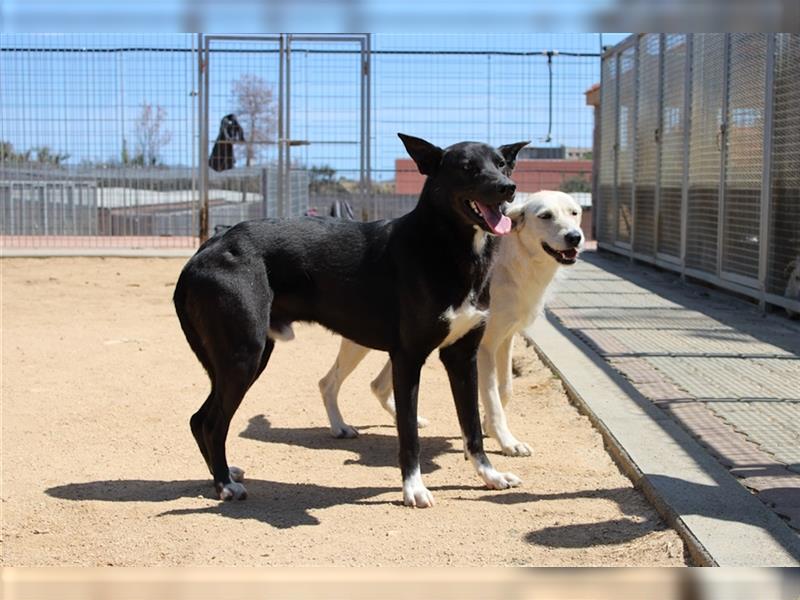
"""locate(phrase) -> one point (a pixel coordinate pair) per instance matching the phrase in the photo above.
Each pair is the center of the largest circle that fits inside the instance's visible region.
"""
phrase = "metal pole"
(615, 216)
(281, 133)
(687, 109)
(288, 131)
(362, 125)
(204, 91)
(368, 94)
(766, 179)
(658, 137)
(723, 156)
(634, 145)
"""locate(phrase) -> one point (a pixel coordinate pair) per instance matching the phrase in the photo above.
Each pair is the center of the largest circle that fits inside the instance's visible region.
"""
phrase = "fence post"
(723, 156)
(203, 88)
(766, 179)
(687, 122)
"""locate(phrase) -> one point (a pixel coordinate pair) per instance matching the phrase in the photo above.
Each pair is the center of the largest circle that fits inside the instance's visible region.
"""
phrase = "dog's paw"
(236, 474)
(515, 448)
(419, 497)
(415, 494)
(344, 431)
(231, 491)
(422, 422)
(495, 480)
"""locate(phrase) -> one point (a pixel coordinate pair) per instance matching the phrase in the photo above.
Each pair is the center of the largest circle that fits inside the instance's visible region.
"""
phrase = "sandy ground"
(99, 466)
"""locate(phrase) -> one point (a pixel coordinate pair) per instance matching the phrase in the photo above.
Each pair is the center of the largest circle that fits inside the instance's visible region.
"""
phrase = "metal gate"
(297, 136)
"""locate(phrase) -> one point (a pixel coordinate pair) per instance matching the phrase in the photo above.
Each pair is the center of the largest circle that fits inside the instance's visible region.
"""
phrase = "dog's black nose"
(508, 189)
(573, 238)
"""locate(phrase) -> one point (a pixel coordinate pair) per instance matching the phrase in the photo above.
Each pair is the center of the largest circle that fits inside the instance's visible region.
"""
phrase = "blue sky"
(75, 99)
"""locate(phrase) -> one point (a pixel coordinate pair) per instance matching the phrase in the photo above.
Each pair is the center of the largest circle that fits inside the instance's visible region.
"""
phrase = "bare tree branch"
(256, 110)
(151, 135)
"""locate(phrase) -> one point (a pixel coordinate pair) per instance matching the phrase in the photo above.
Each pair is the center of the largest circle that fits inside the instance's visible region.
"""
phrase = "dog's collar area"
(565, 257)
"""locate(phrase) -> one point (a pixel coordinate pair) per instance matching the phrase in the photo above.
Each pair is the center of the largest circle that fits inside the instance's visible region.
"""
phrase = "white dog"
(546, 235)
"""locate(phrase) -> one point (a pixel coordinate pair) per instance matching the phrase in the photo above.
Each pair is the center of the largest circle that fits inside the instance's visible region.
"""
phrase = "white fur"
(494, 479)
(415, 493)
(232, 491)
(522, 273)
(462, 320)
(479, 240)
(285, 333)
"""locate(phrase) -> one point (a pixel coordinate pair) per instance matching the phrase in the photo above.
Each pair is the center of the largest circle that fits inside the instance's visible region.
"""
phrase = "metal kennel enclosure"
(105, 139)
(699, 158)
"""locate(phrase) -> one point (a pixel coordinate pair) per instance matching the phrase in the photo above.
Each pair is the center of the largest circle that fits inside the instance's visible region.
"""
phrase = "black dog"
(406, 286)
(230, 131)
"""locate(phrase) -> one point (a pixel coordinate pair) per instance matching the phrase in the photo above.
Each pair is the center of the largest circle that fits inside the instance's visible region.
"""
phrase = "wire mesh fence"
(700, 158)
(118, 140)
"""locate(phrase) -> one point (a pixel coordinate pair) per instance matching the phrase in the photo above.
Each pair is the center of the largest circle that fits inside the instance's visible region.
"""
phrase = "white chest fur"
(462, 320)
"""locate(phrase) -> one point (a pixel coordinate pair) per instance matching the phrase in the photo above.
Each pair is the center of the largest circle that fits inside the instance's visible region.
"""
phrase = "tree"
(576, 184)
(256, 110)
(44, 155)
(151, 135)
(322, 181)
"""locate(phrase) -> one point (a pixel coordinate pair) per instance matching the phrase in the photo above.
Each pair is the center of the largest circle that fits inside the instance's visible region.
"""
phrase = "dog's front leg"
(405, 375)
(460, 361)
(494, 376)
(350, 354)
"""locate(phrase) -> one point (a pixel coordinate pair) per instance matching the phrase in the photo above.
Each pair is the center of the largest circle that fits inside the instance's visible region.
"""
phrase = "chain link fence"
(700, 158)
(125, 140)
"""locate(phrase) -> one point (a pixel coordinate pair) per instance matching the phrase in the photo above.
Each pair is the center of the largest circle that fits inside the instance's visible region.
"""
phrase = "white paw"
(236, 474)
(495, 480)
(232, 491)
(422, 422)
(514, 447)
(344, 431)
(415, 494)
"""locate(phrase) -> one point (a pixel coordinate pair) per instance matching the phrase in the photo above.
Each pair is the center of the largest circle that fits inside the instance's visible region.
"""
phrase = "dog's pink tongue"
(497, 221)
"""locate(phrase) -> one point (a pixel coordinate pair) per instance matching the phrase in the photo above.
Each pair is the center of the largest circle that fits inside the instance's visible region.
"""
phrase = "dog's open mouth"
(565, 257)
(490, 217)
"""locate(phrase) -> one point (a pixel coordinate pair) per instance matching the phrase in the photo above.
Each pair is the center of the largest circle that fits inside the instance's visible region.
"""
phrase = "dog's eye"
(501, 163)
(575, 213)
(545, 215)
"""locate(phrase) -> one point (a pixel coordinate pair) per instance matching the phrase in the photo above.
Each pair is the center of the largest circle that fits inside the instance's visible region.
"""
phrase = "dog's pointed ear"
(427, 156)
(510, 151)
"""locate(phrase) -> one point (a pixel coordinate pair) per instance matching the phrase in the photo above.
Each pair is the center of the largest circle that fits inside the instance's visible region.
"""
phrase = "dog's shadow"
(281, 505)
(374, 449)
(637, 520)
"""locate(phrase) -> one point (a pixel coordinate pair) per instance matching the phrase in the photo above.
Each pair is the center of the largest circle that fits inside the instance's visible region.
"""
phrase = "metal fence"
(105, 139)
(700, 158)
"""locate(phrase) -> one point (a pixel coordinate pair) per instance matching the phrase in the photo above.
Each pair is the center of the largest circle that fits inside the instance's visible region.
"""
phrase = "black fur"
(383, 284)
(230, 131)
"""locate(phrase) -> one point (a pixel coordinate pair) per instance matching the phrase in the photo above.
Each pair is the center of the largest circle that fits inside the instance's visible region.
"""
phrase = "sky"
(81, 94)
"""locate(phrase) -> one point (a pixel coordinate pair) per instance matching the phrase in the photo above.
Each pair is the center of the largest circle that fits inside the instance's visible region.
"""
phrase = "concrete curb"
(721, 522)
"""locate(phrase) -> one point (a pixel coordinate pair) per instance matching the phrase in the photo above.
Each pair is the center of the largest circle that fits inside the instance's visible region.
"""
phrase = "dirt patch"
(99, 466)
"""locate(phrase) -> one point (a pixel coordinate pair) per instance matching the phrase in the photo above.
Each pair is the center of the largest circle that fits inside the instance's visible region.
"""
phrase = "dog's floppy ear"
(426, 155)
(510, 151)
(516, 212)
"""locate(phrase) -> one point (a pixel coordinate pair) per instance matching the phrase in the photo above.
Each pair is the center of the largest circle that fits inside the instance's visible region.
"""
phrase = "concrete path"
(702, 368)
